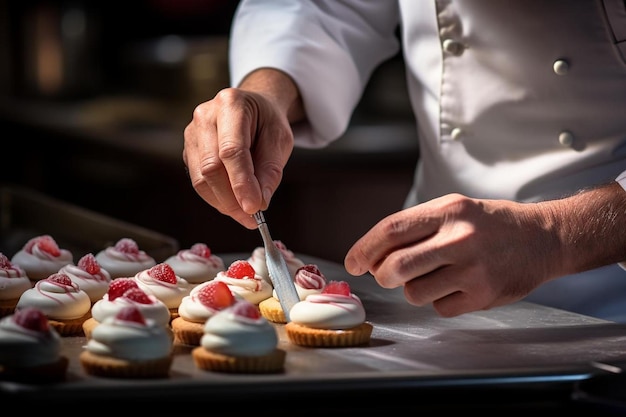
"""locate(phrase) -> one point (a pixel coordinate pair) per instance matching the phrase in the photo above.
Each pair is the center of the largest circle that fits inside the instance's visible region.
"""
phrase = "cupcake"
(41, 257)
(124, 259)
(203, 302)
(257, 260)
(128, 345)
(13, 282)
(196, 264)
(89, 276)
(162, 282)
(245, 283)
(238, 339)
(333, 318)
(30, 349)
(61, 300)
(308, 280)
(124, 292)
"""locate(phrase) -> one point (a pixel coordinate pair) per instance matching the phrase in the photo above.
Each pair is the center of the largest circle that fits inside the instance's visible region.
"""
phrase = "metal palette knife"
(277, 268)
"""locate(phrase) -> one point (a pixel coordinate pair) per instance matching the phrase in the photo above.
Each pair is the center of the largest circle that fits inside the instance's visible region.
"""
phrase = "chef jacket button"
(566, 138)
(456, 133)
(453, 47)
(560, 67)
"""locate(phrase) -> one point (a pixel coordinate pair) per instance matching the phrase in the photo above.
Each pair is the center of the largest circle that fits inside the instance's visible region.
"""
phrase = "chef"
(520, 113)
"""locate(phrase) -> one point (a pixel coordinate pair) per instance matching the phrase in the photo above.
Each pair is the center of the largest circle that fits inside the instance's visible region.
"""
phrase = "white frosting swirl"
(123, 264)
(171, 294)
(157, 311)
(13, 282)
(95, 285)
(253, 290)
(195, 268)
(41, 264)
(231, 334)
(21, 347)
(129, 340)
(328, 311)
(257, 260)
(56, 300)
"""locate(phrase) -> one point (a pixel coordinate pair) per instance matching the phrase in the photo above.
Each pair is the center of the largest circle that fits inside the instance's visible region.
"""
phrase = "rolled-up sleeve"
(329, 48)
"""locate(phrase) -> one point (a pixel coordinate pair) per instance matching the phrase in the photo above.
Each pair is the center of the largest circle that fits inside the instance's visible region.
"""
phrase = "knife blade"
(277, 268)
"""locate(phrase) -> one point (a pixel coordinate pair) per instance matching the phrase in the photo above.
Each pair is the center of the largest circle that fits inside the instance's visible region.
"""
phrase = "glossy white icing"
(56, 300)
(328, 311)
(20, 346)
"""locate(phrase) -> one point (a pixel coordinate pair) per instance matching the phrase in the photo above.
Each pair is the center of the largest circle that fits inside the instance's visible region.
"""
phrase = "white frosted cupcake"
(61, 300)
(245, 283)
(41, 257)
(239, 340)
(257, 260)
(124, 259)
(13, 282)
(196, 264)
(90, 276)
(128, 345)
(30, 349)
(162, 282)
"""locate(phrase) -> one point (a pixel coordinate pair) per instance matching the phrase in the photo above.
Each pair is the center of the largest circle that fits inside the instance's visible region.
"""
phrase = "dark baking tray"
(26, 213)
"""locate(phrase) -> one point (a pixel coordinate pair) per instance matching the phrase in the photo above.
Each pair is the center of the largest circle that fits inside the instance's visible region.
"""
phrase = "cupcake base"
(105, 366)
(273, 362)
(70, 327)
(310, 337)
(187, 332)
(272, 310)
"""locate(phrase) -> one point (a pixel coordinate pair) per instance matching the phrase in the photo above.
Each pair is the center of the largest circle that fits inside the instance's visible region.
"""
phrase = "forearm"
(591, 228)
(279, 88)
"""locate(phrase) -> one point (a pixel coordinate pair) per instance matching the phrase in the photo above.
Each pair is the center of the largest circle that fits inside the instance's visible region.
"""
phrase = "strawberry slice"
(60, 278)
(241, 269)
(163, 272)
(310, 268)
(337, 287)
(89, 264)
(201, 249)
(137, 295)
(31, 318)
(216, 295)
(127, 245)
(246, 309)
(132, 314)
(45, 242)
(119, 286)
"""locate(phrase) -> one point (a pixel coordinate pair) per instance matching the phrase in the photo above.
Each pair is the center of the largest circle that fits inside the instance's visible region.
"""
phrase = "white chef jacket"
(514, 99)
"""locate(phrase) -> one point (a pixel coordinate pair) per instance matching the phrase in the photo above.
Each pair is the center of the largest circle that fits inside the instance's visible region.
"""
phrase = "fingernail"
(352, 267)
(267, 195)
(246, 205)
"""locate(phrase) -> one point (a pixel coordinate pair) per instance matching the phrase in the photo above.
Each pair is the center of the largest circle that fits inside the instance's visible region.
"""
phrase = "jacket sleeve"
(330, 48)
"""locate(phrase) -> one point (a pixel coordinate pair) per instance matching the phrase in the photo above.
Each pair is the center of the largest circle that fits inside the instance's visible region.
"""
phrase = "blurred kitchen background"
(94, 98)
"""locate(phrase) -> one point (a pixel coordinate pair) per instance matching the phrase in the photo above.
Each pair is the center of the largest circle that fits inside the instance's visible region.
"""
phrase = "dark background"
(94, 98)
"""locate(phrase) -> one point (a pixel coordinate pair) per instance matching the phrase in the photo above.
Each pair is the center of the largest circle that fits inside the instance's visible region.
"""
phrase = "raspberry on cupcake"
(124, 259)
(196, 264)
(41, 257)
(13, 282)
(89, 275)
(245, 283)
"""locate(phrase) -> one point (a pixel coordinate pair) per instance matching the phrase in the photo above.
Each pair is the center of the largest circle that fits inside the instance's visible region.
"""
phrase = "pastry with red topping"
(196, 264)
(333, 318)
(128, 345)
(308, 280)
(162, 282)
(202, 303)
(245, 283)
(89, 276)
(61, 300)
(124, 259)
(30, 349)
(124, 292)
(13, 282)
(41, 257)
(238, 339)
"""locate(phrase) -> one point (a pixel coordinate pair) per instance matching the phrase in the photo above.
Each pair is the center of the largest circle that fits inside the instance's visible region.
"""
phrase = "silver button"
(453, 47)
(560, 67)
(566, 138)
(456, 134)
